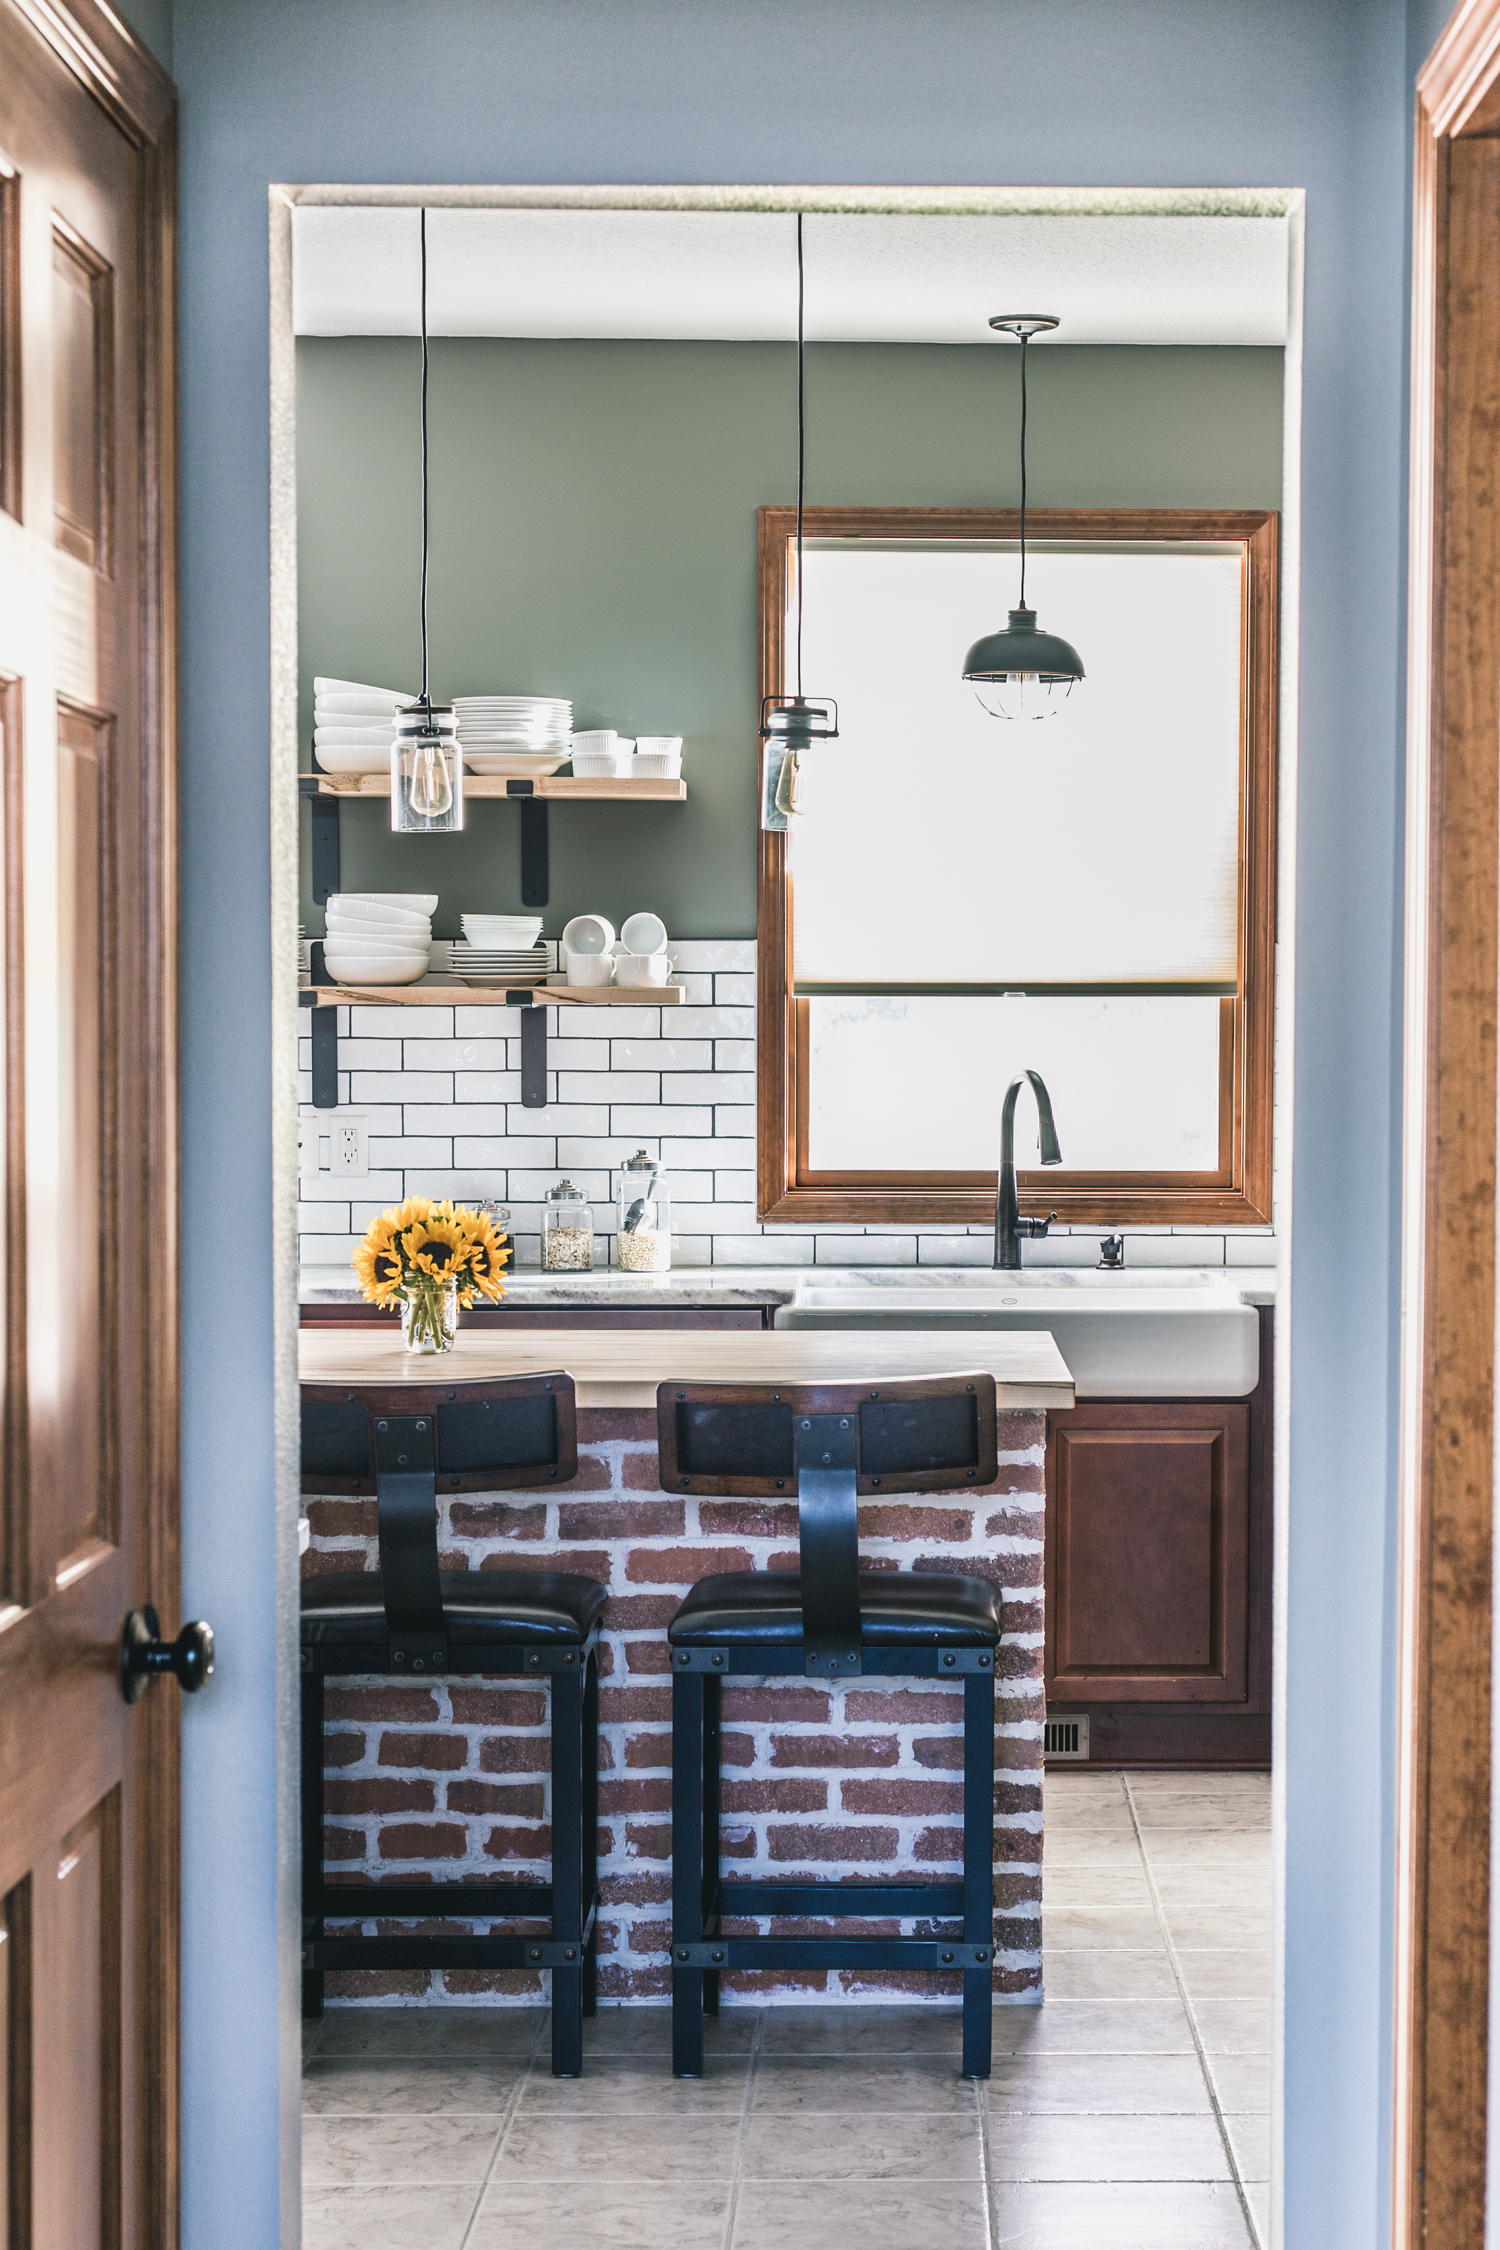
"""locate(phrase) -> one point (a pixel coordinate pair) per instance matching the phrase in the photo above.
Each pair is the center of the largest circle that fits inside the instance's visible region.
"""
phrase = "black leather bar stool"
(828, 1443)
(406, 1443)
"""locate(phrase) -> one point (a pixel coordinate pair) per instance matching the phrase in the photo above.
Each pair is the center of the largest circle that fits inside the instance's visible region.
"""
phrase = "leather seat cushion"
(481, 1606)
(898, 1608)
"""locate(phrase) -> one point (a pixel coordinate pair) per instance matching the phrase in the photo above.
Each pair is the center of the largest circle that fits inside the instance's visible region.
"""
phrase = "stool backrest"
(405, 1442)
(828, 1443)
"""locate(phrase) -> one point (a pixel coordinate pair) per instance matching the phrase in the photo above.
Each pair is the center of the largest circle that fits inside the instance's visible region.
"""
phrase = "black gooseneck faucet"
(1010, 1227)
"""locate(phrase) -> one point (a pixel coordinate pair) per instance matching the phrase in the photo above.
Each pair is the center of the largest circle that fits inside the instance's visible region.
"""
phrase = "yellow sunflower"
(487, 1253)
(377, 1261)
(436, 1245)
(410, 1213)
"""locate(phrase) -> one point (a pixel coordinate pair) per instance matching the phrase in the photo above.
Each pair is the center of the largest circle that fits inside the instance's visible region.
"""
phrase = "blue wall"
(1305, 93)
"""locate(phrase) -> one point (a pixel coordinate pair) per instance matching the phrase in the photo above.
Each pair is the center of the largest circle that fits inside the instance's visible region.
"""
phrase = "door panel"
(1147, 1554)
(88, 1791)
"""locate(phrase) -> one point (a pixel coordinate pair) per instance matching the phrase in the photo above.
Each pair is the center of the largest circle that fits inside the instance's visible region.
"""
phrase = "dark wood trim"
(15, 1545)
(10, 344)
(1239, 1193)
(1448, 1457)
(107, 58)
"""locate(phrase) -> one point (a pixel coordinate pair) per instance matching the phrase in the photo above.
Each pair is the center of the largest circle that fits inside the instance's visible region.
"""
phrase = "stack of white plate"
(473, 964)
(304, 955)
(378, 937)
(354, 726)
(523, 737)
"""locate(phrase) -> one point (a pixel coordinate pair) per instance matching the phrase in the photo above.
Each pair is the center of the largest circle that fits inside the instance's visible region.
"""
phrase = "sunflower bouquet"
(429, 1258)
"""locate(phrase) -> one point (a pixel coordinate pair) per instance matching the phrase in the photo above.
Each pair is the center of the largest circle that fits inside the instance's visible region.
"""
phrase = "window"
(960, 896)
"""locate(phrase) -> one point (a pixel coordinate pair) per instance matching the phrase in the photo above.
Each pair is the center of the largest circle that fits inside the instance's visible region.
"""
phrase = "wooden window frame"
(1239, 1191)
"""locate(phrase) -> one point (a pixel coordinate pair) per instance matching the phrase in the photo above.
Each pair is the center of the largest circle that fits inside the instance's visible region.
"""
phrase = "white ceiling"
(871, 278)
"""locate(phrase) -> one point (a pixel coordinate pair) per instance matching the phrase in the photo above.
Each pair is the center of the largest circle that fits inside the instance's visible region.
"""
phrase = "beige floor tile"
(1096, 2027)
(395, 2151)
(868, 2145)
(1095, 1886)
(646, 2215)
(1203, 1890)
(1202, 1816)
(1197, 1927)
(1107, 2148)
(1120, 2217)
(635, 2086)
(616, 2148)
(1101, 1815)
(1250, 2138)
(1115, 2085)
(875, 2214)
(1225, 1974)
(386, 2218)
(1108, 1974)
(1232, 1848)
(1253, 1787)
(428, 2031)
(636, 2031)
(1234, 2027)
(854, 2030)
(1090, 1847)
(811, 2085)
(1135, 1927)
(1242, 2083)
(369, 2086)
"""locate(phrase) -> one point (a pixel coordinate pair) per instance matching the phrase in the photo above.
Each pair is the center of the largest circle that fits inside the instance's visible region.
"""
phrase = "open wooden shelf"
(559, 787)
(491, 995)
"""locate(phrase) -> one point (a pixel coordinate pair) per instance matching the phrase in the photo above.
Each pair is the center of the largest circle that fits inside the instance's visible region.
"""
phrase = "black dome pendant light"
(796, 721)
(1021, 673)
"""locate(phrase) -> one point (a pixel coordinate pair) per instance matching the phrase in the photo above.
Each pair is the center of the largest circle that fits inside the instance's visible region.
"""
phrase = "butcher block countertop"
(622, 1369)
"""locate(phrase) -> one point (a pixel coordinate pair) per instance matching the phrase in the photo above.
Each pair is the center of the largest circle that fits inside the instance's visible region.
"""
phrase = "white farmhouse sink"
(1151, 1333)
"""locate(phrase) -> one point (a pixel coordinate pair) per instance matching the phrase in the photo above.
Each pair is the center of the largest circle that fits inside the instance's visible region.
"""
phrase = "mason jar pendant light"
(1021, 673)
(427, 768)
(791, 723)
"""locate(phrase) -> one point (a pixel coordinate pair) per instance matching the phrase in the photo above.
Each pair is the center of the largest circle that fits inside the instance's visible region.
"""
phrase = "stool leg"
(591, 1831)
(567, 1870)
(312, 1834)
(687, 1870)
(979, 1865)
(713, 1691)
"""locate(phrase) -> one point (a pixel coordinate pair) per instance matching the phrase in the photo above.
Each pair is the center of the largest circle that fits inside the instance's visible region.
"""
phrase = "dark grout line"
(732, 2214)
(506, 2118)
(1251, 2225)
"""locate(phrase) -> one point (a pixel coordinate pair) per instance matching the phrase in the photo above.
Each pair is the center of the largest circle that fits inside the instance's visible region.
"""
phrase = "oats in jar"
(643, 1250)
(568, 1249)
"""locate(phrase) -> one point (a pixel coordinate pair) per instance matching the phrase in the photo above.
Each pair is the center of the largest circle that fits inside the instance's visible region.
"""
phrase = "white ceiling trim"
(593, 269)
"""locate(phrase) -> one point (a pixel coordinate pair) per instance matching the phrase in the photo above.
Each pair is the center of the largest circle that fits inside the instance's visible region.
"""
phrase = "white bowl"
(588, 933)
(589, 968)
(376, 921)
(653, 768)
(353, 758)
(323, 689)
(416, 902)
(388, 949)
(507, 931)
(514, 765)
(642, 968)
(598, 765)
(643, 933)
(373, 968)
(658, 745)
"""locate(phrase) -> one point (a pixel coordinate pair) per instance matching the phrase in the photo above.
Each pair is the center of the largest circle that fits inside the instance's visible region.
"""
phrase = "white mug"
(588, 933)
(642, 968)
(589, 968)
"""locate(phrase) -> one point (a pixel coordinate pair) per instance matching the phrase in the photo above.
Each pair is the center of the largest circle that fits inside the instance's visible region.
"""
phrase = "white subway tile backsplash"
(439, 1092)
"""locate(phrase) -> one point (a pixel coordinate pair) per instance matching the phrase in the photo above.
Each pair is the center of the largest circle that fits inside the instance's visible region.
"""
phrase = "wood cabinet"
(1159, 1576)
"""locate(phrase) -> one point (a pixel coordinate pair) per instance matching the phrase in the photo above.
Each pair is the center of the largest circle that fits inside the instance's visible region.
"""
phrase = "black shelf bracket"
(535, 871)
(325, 838)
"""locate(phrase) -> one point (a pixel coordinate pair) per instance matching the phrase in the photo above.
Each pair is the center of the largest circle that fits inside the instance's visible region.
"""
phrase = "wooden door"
(88, 1792)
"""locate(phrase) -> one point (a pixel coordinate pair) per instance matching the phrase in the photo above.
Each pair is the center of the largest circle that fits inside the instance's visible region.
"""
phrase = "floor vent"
(1066, 1738)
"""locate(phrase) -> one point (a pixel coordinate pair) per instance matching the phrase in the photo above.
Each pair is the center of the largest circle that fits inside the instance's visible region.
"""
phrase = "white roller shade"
(937, 844)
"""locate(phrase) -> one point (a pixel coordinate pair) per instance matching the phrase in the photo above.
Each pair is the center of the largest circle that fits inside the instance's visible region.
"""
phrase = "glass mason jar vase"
(567, 1231)
(429, 1314)
(643, 1221)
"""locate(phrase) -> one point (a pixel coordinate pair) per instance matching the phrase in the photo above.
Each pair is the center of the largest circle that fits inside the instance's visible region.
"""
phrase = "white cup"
(599, 742)
(658, 745)
(588, 933)
(589, 968)
(644, 933)
(642, 968)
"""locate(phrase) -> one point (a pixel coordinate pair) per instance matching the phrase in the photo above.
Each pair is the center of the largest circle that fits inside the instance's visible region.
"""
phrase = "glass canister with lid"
(643, 1225)
(567, 1230)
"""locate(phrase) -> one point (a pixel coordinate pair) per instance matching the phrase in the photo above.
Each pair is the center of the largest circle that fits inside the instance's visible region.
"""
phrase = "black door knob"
(143, 1653)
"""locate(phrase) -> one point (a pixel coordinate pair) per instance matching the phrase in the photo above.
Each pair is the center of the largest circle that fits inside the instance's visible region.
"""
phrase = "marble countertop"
(780, 1285)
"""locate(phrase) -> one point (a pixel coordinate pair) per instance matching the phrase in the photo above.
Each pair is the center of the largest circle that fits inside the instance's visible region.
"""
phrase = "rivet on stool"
(947, 1957)
(981, 1955)
(718, 1656)
(950, 1659)
(718, 1953)
(682, 1953)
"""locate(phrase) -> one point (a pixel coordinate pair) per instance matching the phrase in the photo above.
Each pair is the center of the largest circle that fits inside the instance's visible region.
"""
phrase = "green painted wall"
(594, 535)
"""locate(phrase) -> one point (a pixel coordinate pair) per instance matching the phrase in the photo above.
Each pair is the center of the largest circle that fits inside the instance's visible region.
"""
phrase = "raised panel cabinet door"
(1148, 1519)
(88, 1343)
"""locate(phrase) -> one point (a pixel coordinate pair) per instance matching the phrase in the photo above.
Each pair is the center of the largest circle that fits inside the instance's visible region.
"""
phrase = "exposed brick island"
(450, 1780)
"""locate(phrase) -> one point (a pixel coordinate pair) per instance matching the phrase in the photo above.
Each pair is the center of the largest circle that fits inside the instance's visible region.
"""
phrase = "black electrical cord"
(1025, 340)
(801, 453)
(426, 697)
